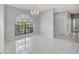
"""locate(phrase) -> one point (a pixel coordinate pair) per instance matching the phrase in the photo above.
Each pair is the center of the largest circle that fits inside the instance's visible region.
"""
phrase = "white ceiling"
(72, 8)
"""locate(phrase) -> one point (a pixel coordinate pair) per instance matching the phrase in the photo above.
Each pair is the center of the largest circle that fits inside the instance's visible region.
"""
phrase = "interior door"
(75, 24)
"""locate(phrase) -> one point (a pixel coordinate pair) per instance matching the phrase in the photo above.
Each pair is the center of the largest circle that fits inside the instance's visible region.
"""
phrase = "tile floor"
(44, 45)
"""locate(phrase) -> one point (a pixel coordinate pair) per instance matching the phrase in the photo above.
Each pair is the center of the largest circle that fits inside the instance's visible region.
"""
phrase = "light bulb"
(37, 12)
(32, 13)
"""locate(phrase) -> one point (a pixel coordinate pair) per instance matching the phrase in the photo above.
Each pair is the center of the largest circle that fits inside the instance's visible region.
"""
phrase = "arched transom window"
(23, 25)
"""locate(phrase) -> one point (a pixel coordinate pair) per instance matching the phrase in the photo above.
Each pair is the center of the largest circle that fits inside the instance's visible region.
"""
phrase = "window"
(23, 25)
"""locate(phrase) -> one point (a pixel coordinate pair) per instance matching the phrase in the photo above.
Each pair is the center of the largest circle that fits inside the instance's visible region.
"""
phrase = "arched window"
(23, 25)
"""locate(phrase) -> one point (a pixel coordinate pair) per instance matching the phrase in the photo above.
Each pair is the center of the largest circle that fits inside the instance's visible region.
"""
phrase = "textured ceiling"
(72, 8)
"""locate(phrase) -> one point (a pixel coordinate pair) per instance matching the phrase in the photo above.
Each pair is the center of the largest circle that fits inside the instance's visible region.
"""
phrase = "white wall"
(46, 23)
(1, 28)
(36, 25)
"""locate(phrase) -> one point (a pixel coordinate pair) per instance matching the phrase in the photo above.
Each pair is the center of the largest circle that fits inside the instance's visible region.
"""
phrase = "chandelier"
(35, 12)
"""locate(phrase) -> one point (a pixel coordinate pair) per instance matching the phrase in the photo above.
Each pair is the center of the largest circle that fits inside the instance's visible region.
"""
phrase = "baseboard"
(59, 33)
